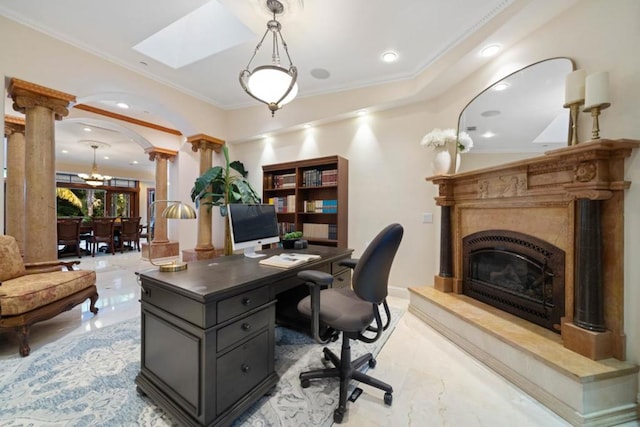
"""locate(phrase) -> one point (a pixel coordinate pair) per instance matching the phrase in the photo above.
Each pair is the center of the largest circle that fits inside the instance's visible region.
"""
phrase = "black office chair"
(352, 311)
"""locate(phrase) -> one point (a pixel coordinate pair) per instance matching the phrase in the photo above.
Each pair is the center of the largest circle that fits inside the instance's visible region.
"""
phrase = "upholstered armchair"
(33, 292)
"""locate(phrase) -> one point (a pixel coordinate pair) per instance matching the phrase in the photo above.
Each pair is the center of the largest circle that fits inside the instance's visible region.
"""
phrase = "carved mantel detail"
(543, 197)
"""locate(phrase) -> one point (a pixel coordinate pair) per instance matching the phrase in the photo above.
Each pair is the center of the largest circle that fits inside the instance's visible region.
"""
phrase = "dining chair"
(68, 230)
(130, 232)
(103, 232)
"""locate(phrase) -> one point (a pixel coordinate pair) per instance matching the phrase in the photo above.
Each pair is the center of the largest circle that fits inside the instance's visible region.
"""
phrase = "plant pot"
(289, 243)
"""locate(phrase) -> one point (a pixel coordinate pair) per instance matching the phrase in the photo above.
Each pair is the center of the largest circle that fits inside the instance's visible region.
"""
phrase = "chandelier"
(271, 84)
(95, 179)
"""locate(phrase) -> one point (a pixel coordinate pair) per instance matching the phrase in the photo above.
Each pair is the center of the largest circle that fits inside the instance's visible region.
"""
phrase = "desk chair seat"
(352, 312)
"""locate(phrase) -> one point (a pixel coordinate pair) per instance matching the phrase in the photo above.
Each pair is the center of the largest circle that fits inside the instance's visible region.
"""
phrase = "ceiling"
(324, 37)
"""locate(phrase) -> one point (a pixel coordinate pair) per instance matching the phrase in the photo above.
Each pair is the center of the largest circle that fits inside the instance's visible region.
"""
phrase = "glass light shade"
(269, 83)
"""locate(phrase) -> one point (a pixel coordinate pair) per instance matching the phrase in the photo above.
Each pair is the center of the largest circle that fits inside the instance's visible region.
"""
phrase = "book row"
(321, 206)
(318, 178)
(286, 204)
(320, 231)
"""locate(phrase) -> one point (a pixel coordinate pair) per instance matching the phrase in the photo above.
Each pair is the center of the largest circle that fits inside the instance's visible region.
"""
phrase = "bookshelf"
(310, 196)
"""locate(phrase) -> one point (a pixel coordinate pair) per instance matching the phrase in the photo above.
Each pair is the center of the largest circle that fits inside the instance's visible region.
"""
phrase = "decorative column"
(445, 280)
(204, 247)
(41, 106)
(161, 246)
(14, 195)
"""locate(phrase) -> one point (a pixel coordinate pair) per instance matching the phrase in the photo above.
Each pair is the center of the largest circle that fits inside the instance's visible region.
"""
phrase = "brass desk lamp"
(174, 210)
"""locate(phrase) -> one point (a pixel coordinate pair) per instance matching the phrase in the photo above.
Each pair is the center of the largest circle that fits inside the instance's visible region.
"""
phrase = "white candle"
(597, 89)
(574, 87)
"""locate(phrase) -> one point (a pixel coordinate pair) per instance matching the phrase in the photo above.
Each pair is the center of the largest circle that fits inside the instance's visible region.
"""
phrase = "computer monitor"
(251, 226)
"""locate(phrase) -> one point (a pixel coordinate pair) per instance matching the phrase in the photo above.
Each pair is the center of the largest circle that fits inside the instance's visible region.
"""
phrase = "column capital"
(13, 124)
(25, 95)
(202, 142)
(161, 153)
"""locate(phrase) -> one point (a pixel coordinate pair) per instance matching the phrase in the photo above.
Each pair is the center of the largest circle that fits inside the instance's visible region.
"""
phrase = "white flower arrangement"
(440, 138)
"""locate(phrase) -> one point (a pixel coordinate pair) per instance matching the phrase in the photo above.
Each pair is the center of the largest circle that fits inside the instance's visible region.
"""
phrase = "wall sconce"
(175, 210)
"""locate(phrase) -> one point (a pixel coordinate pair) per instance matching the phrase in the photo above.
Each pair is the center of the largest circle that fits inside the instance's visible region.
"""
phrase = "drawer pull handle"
(246, 326)
(245, 368)
(246, 301)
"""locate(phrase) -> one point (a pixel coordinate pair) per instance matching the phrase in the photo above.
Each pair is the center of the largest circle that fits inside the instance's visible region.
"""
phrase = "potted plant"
(220, 186)
(289, 239)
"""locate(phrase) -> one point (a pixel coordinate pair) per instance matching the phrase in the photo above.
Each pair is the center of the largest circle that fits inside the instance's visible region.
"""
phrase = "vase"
(441, 162)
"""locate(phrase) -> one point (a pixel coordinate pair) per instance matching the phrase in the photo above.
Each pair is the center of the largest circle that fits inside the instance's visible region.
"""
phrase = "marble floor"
(435, 382)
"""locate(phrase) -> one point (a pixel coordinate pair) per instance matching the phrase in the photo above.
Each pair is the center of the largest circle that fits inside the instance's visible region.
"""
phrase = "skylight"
(208, 30)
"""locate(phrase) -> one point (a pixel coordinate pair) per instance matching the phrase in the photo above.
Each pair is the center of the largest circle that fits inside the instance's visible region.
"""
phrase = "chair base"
(347, 370)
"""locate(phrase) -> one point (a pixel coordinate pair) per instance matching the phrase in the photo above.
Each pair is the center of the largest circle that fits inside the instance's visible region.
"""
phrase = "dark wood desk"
(208, 333)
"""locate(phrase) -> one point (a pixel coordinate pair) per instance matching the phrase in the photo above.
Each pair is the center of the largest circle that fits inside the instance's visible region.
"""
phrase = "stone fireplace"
(528, 285)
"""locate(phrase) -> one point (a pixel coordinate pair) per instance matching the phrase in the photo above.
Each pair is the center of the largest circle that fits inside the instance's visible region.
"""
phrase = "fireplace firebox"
(517, 273)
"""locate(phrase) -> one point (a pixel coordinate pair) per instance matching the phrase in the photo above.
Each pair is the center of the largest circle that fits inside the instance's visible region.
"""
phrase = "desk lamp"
(174, 210)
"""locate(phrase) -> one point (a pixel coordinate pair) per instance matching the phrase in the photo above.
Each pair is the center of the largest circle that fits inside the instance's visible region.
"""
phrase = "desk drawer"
(238, 304)
(241, 369)
(342, 280)
(237, 331)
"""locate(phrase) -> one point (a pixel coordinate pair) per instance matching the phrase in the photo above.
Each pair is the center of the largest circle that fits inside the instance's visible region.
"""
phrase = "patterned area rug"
(88, 380)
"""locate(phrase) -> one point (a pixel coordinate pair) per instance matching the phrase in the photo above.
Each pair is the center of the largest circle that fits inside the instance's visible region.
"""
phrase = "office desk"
(208, 333)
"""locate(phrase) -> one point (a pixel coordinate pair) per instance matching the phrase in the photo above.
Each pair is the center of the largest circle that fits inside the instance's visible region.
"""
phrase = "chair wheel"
(305, 383)
(325, 355)
(388, 398)
(338, 415)
(372, 363)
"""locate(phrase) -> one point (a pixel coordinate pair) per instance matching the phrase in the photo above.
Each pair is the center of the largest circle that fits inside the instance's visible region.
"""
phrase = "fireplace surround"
(564, 199)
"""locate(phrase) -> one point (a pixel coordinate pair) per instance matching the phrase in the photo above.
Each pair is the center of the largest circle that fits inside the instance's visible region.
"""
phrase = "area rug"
(88, 380)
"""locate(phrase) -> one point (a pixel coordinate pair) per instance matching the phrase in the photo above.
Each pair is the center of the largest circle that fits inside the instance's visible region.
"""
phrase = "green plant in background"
(220, 186)
(69, 204)
(292, 235)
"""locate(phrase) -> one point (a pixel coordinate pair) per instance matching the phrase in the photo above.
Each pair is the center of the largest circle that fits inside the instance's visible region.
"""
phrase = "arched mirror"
(521, 113)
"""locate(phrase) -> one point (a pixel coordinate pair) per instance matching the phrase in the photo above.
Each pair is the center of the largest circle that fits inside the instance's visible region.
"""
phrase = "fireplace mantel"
(537, 196)
(573, 198)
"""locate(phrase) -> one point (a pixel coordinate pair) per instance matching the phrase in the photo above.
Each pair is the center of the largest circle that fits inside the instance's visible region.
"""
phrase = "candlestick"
(595, 112)
(574, 108)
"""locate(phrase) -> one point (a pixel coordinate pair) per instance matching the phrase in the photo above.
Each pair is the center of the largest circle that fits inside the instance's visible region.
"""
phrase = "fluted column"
(160, 156)
(206, 145)
(14, 195)
(41, 107)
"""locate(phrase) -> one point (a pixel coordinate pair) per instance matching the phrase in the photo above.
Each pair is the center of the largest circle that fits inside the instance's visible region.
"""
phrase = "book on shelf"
(286, 204)
(319, 178)
(321, 206)
(288, 260)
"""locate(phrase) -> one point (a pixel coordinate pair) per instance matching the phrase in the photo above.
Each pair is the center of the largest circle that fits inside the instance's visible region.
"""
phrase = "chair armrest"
(316, 280)
(351, 263)
(48, 266)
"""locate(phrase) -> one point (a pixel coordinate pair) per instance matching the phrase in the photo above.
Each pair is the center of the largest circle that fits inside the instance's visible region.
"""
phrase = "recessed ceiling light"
(362, 112)
(500, 86)
(488, 134)
(122, 105)
(320, 73)
(490, 113)
(87, 129)
(307, 126)
(490, 50)
(135, 162)
(389, 56)
(65, 151)
(106, 157)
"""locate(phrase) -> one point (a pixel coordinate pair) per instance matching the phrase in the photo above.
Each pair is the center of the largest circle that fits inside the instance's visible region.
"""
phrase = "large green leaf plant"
(220, 186)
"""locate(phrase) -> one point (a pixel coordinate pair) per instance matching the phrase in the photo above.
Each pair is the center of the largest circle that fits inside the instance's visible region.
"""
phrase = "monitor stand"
(251, 252)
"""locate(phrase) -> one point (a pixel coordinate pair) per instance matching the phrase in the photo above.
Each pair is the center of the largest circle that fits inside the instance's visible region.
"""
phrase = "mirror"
(522, 112)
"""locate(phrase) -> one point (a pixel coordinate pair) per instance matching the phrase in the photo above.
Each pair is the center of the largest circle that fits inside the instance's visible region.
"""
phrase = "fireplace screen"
(516, 273)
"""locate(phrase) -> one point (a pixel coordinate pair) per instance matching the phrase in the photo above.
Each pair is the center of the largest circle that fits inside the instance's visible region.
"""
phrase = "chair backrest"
(11, 264)
(69, 229)
(130, 226)
(371, 275)
(103, 227)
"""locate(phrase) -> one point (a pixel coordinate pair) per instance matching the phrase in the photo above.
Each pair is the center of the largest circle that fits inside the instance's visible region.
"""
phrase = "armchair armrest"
(351, 263)
(316, 280)
(48, 266)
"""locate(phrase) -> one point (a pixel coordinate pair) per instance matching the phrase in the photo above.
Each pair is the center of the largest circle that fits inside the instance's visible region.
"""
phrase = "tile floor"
(435, 382)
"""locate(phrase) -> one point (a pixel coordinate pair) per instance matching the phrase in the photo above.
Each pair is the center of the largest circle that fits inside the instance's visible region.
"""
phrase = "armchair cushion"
(342, 309)
(25, 293)
(11, 264)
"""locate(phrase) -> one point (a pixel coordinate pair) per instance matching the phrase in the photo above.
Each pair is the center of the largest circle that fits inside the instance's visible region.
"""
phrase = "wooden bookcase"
(311, 196)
